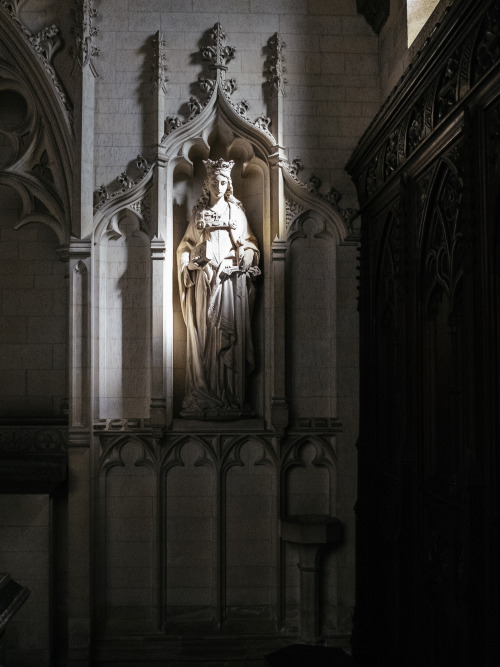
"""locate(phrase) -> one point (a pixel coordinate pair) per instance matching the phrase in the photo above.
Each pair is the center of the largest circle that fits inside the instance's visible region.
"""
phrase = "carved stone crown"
(219, 166)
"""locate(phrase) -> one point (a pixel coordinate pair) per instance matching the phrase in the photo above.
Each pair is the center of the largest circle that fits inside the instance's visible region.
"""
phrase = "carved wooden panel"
(427, 540)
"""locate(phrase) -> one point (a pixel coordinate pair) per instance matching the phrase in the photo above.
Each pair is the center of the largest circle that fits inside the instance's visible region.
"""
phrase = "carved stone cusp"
(172, 123)
(294, 166)
(207, 85)
(241, 107)
(195, 107)
(103, 193)
(334, 196)
(124, 180)
(313, 183)
(229, 86)
(42, 168)
(142, 164)
(292, 210)
(263, 122)
(47, 41)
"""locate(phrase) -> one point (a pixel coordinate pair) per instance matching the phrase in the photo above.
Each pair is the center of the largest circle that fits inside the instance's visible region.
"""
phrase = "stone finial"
(159, 63)
(85, 32)
(218, 54)
(275, 63)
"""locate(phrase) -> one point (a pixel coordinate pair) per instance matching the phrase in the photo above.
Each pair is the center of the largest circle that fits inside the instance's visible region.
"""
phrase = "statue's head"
(219, 178)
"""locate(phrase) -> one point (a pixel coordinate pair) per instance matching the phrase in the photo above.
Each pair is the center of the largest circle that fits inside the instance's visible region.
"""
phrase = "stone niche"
(191, 510)
(249, 183)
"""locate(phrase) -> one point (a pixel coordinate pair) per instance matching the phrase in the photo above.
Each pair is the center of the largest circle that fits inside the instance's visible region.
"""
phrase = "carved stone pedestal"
(311, 534)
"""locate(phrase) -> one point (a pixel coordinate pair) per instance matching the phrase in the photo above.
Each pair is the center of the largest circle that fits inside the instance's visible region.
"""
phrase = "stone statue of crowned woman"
(217, 263)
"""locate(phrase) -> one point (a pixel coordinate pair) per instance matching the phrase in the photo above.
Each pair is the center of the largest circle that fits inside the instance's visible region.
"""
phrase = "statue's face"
(218, 184)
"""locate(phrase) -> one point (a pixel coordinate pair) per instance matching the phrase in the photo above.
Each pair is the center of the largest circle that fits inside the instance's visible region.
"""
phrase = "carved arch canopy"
(217, 119)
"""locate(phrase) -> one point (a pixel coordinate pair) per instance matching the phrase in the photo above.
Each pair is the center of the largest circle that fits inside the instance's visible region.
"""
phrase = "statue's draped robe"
(217, 310)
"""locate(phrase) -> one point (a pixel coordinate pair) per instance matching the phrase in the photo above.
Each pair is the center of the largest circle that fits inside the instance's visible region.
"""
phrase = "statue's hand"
(193, 266)
(253, 272)
(246, 259)
(224, 273)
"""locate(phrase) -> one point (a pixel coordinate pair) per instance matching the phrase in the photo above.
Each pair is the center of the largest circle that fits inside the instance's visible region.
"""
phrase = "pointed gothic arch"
(41, 171)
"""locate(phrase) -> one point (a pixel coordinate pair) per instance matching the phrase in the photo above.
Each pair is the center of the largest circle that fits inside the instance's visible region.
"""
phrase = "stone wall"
(395, 55)
(179, 531)
(33, 316)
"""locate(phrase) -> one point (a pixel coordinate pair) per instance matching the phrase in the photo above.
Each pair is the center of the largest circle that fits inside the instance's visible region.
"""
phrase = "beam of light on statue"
(217, 263)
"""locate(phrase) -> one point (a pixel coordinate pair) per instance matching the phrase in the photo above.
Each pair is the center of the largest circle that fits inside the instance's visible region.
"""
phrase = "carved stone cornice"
(44, 44)
(85, 32)
(463, 48)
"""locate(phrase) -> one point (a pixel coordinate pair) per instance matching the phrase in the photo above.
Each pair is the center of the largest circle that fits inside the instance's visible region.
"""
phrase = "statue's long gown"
(217, 311)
